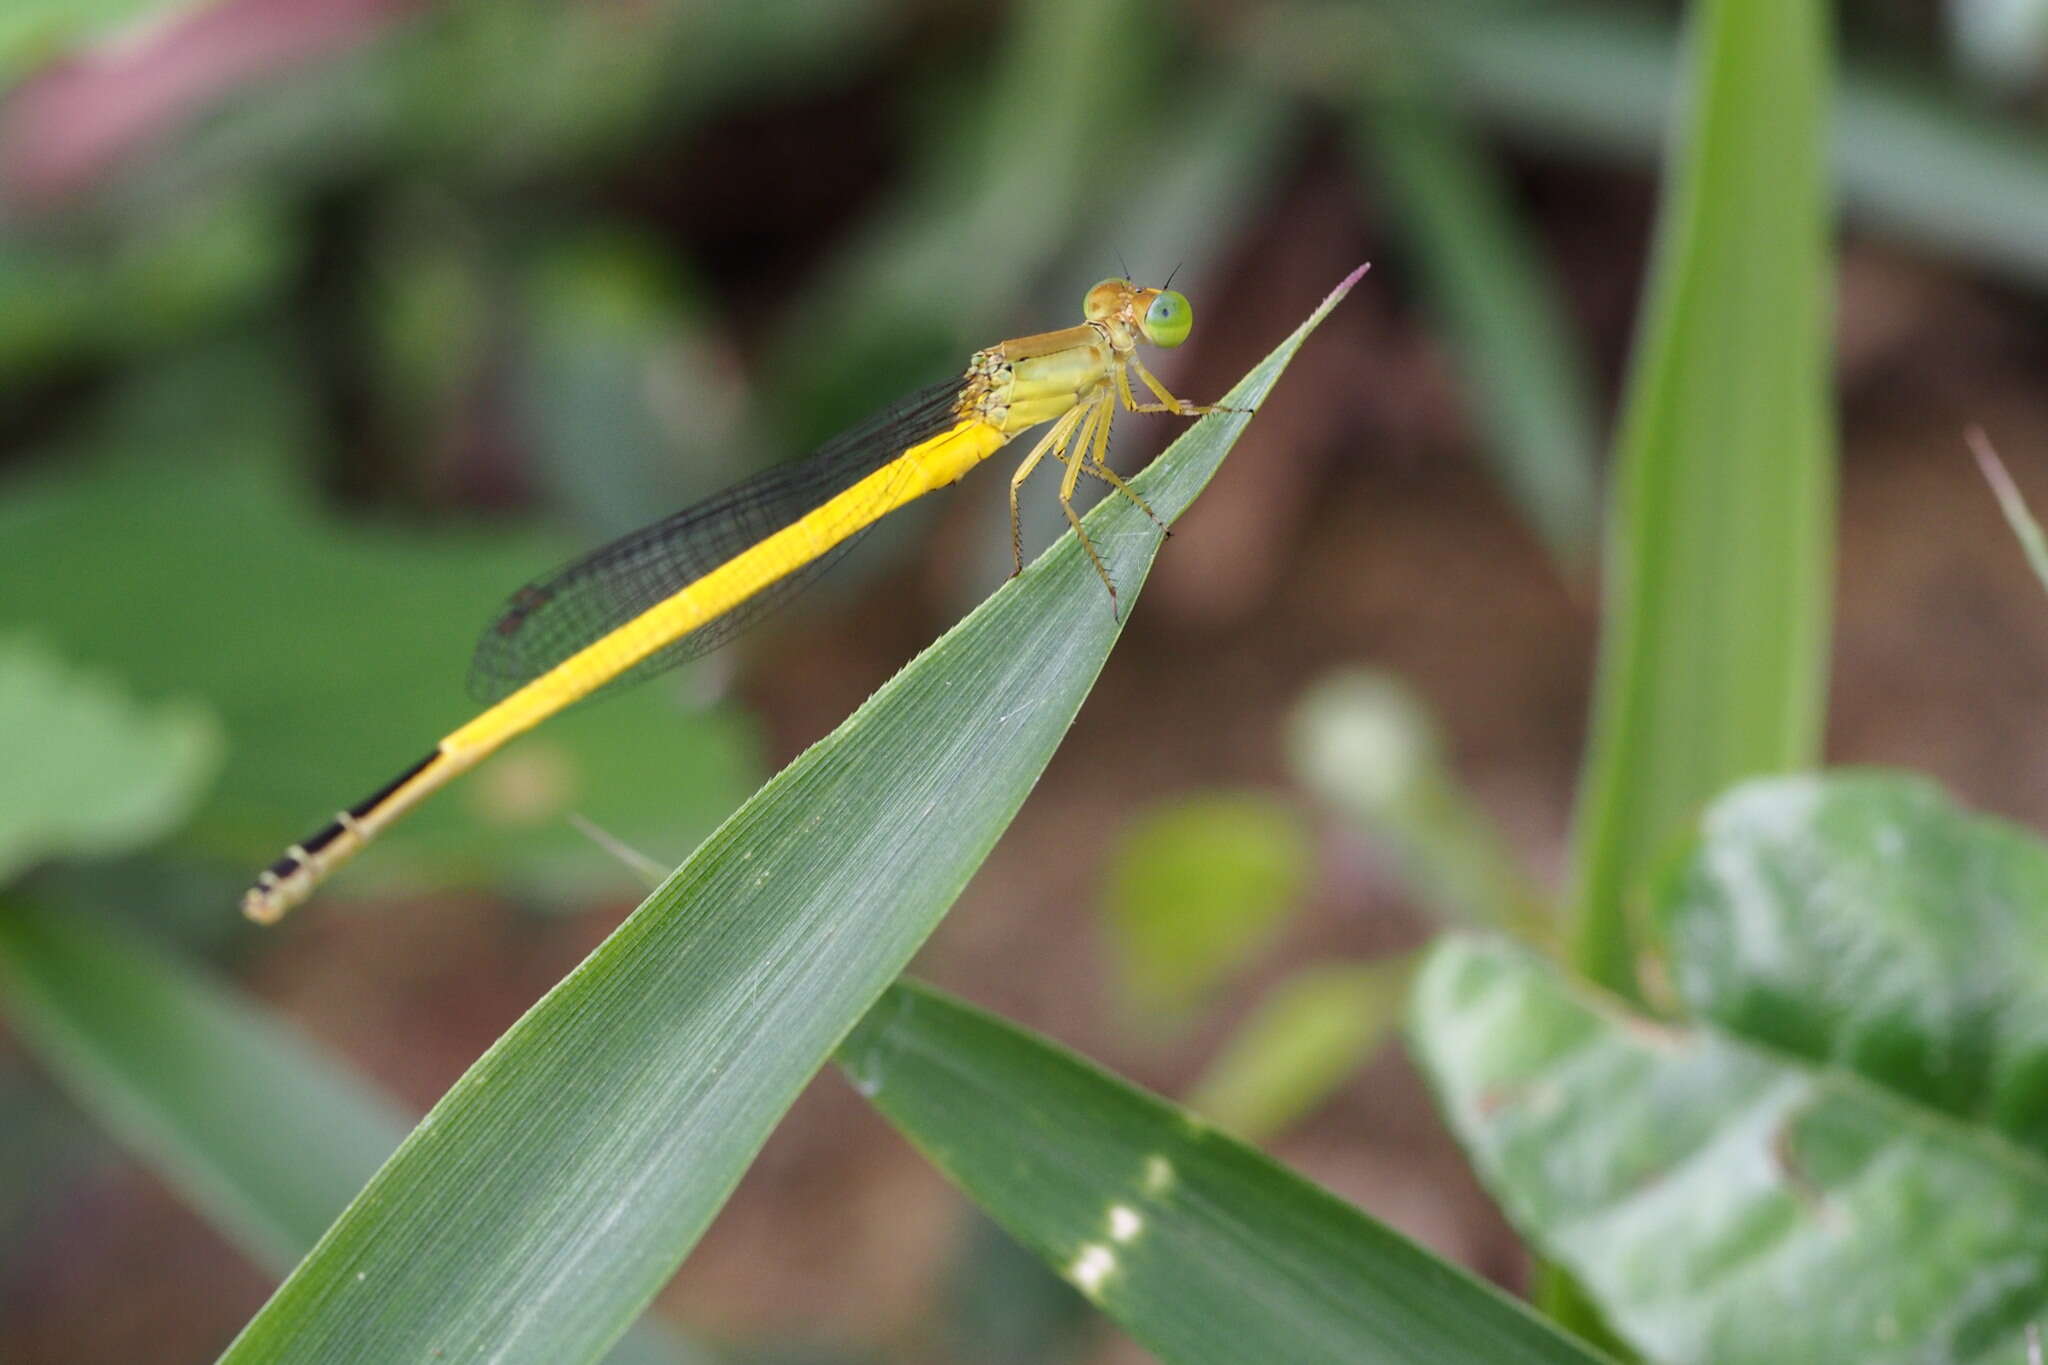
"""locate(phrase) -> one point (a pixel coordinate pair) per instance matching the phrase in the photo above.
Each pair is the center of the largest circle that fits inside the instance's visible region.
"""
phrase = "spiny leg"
(1054, 441)
(1074, 457)
(1166, 397)
(1099, 413)
(1167, 402)
(1098, 465)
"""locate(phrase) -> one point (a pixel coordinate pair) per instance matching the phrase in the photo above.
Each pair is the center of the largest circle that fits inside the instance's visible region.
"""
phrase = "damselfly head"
(1112, 299)
(1162, 316)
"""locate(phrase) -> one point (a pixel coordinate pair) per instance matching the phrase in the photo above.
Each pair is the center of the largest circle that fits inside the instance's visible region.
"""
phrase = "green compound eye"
(1169, 319)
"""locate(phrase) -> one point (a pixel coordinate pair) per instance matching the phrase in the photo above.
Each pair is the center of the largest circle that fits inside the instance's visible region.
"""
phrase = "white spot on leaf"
(1092, 1268)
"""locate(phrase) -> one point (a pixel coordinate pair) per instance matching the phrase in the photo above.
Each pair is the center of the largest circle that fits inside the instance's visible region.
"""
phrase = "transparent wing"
(553, 618)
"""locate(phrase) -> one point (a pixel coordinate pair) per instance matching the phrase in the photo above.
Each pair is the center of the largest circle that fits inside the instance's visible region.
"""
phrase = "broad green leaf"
(1713, 657)
(1196, 887)
(333, 651)
(1366, 745)
(262, 1133)
(1200, 1247)
(555, 1187)
(1307, 1035)
(1524, 371)
(1853, 1126)
(1864, 923)
(265, 1135)
(86, 771)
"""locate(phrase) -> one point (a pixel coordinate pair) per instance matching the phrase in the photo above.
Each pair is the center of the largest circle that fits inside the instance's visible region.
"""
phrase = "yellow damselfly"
(686, 584)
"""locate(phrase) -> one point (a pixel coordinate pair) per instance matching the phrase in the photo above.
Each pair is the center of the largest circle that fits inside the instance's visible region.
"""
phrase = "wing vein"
(557, 615)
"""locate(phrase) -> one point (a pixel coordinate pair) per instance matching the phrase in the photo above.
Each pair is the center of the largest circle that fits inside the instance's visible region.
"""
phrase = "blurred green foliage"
(2004, 42)
(1308, 1035)
(1720, 575)
(109, 775)
(2012, 504)
(1858, 967)
(1194, 889)
(1366, 746)
(685, 1036)
(1206, 1251)
(331, 651)
(281, 340)
(34, 31)
(259, 1130)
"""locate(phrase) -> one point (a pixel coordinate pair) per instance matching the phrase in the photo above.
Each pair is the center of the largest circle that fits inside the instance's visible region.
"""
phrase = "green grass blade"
(265, 1135)
(185, 469)
(1523, 369)
(1307, 1036)
(1713, 660)
(1909, 162)
(1205, 1250)
(259, 1131)
(546, 1198)
(2012, 503)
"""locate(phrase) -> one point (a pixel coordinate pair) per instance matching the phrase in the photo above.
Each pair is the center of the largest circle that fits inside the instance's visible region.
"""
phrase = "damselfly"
(685, 585)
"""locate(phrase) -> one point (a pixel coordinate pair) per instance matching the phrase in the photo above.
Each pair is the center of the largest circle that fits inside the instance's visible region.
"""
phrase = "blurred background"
(324, 324)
